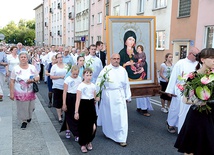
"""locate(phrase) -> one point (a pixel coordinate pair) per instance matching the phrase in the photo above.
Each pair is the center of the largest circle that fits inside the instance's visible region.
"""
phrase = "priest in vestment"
(178, 109)
(113, 116)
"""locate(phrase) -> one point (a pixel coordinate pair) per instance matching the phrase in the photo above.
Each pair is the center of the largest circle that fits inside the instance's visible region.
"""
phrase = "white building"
(82, 22)
(69, 16)
(39, 28)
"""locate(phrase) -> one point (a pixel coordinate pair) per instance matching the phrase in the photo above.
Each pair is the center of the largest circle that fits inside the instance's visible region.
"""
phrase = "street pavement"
(146, 135)
(39, 138)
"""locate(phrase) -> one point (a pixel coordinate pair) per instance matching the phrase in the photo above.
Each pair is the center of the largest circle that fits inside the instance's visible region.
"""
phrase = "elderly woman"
(21, 88)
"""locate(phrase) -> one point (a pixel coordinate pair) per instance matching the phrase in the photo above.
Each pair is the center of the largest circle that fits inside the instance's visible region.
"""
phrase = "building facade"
(190, 27)
(180, 24)
(39, 19)
(82, 22)
(97, 21)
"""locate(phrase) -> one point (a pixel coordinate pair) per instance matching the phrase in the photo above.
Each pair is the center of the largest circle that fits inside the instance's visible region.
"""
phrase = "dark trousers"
(41, 72)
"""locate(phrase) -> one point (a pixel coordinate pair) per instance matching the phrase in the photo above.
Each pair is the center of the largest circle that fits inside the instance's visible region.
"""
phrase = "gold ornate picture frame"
(144, 29)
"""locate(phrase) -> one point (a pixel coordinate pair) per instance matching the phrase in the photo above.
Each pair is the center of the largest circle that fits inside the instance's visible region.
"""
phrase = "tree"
(24, 32)
(30, 24)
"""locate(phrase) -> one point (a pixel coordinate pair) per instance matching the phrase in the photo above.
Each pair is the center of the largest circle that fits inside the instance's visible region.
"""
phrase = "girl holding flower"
(197, 133)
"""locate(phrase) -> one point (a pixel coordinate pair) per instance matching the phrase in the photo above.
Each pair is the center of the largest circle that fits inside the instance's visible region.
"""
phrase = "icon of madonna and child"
(133, 61)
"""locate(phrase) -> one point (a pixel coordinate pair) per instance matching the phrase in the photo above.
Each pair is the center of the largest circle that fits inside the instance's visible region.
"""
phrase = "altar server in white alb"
(178, 109)
(113, 115)
(93, 62)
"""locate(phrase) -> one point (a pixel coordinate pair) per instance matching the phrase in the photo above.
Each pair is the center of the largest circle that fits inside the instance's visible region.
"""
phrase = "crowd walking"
(87, 92)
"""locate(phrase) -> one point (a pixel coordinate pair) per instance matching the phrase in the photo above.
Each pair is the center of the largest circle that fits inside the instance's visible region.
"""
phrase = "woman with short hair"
(21, 88)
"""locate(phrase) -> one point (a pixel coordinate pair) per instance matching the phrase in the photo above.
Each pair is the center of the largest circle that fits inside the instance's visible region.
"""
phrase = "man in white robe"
(178, 109)
(113, 115)
(93, 62)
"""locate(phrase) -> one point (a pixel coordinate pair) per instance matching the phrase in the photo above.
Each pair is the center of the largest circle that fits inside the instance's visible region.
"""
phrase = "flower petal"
(203, 93)
(205, 80)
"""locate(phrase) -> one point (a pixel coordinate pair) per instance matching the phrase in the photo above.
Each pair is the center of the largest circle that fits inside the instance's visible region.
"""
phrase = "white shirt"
(50, 55)
(56, 71)
(72, 84)
(12, 62)
(96, 66)
(87, 90)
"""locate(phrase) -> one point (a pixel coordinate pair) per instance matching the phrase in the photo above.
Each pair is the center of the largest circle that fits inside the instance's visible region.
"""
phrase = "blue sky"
(16, 10)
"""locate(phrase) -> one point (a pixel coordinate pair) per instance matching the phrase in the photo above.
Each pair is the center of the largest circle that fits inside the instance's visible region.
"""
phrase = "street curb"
(51, 137)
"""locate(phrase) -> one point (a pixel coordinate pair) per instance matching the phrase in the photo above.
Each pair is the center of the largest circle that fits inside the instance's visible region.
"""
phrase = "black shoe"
(24, 125)
(50, 105)
(60, 121)
(29, 120)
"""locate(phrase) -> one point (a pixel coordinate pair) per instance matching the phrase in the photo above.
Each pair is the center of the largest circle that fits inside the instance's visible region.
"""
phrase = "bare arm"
(56, 77)
(161, 74)
(46, 73)
(65, 89)
(12, 82)
(76, 113)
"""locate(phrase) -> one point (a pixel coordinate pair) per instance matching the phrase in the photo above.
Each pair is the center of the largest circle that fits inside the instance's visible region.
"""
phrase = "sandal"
(89, 146)
(147, 114)
(83, 149)
(170, 129)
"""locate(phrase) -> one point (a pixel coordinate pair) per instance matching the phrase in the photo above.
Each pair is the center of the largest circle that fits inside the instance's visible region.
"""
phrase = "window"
(98, 38)
(58, 16)
(99, 18)
(209, 37)
(128, 4)
(68, 27)
(107, 9)
(117, 10)
(184, 8)
(92, 40)
(92, 20)
(160, 40)
(160, 3)
(141, 5)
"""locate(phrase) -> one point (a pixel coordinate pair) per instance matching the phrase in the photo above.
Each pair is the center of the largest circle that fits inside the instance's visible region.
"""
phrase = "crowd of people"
(75, 77)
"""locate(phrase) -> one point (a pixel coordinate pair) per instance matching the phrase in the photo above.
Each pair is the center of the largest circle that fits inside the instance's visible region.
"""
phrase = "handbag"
(35, 87)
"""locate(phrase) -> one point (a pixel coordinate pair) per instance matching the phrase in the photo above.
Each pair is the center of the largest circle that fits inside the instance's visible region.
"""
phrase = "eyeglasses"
(59, 57)
(194, 54)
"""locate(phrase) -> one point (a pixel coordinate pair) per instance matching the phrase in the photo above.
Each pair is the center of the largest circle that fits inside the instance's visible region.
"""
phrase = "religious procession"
(102, 77)
(87, 92)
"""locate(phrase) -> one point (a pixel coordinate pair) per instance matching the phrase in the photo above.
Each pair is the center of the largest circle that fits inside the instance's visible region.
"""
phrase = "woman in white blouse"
(21, 88)
(57, 74)
(12, 59)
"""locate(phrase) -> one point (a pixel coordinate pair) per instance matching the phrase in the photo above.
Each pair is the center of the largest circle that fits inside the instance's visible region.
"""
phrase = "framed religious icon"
(133, 37)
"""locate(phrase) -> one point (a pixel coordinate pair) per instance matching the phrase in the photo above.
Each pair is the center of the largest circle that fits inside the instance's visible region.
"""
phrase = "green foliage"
(23, 32)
